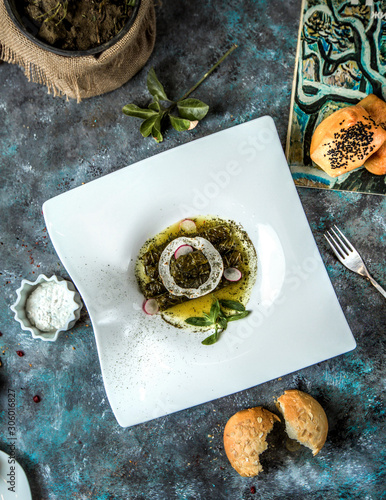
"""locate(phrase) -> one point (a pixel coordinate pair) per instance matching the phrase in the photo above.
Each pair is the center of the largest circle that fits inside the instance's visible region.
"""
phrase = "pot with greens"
(73, 27)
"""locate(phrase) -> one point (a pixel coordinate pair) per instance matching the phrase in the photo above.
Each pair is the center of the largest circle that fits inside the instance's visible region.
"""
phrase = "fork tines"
(349, 256)
(338, 242)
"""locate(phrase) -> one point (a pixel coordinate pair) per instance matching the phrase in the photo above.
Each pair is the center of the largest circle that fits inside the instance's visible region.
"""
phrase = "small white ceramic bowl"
(26, 288)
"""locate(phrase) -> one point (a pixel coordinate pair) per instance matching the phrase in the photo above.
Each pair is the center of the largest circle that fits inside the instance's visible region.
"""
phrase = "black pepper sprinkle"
(354, 141)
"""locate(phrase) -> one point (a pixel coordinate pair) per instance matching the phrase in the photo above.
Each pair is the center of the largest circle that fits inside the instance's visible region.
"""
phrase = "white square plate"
(150, 368)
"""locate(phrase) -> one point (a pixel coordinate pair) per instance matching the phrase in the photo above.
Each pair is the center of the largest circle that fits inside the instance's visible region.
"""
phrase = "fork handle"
(377, 286)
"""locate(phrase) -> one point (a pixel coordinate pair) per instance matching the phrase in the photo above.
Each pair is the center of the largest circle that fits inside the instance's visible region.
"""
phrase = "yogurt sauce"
(49, 306)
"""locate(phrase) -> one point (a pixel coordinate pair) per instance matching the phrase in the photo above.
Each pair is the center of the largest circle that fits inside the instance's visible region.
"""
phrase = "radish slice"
(182, 250)
(188, 225)
(232, 274)
(150, 307)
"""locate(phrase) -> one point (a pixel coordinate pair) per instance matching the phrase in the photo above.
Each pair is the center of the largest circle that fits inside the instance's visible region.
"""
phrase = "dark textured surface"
(70, 444)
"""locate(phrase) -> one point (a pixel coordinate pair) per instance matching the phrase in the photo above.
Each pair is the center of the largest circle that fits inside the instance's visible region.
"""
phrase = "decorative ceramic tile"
(341, 58)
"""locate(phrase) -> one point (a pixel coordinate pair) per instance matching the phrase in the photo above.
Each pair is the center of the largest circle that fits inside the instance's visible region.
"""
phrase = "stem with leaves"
(218, 318)
(189, 111)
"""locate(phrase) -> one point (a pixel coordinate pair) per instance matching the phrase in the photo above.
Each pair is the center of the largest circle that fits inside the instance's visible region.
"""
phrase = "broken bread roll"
(245, 439)
(305, 419)
(376, 108)
(345, 140)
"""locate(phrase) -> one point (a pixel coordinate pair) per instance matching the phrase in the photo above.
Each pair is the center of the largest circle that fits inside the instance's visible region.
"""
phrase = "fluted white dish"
(19, 307)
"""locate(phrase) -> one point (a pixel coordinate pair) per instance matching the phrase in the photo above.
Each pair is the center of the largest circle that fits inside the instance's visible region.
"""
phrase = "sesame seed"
(352, 142)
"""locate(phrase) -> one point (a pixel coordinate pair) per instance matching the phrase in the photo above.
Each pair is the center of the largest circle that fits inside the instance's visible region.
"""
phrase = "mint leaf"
(192, 109)
(197, 321)
(155, 87)
(179, 124)
(235, 317)
(232, 304)
(156, 130)
(222, 321)
(214, 311)
(147, 125)
(212, 339)
(155, 105)
(133, 110)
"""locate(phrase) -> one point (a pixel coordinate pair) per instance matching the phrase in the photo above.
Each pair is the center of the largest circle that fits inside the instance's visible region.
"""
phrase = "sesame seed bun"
(305, 419)
(345, 140)
(376, 164)
(245, 439)
(376, 108)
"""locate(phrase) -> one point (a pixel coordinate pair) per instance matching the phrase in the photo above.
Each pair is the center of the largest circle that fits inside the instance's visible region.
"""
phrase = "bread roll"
(376, 108)
(376, 164)
(306, 421)
(345, 140)
(245, 439)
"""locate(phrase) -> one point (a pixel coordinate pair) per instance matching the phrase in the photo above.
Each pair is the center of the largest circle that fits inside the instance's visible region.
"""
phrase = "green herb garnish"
(183, 114)
(218, 318)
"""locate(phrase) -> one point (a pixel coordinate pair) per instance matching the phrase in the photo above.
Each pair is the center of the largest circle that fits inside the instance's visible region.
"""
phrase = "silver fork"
(348, 256)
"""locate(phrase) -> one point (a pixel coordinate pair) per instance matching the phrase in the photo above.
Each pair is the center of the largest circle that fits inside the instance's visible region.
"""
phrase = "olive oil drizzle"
(238, 291)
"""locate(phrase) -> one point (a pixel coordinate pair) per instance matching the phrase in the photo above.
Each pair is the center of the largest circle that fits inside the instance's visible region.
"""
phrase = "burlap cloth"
(85, 76)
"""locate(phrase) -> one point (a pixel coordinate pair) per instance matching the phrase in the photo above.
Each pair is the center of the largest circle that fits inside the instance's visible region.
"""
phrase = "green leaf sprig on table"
(218, 318)
(183, 114)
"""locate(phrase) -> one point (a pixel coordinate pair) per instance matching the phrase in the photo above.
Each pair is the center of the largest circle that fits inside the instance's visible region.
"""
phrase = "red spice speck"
(20, 353)
(253, 490)
(36, 399)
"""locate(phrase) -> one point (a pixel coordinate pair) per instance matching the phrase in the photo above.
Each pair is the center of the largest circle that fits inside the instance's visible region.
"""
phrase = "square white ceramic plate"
(150, 368)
